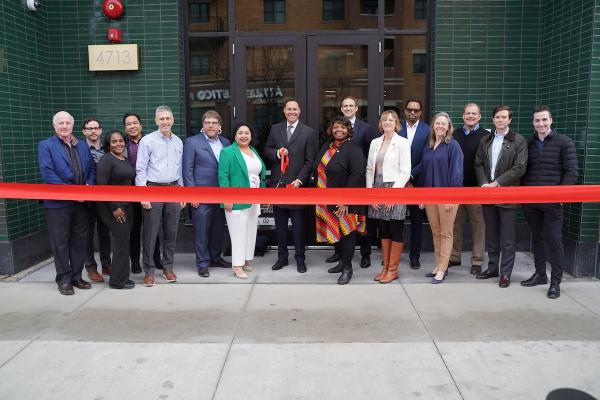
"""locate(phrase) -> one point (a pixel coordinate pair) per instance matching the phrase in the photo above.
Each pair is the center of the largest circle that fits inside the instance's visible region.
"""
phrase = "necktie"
(289, 132)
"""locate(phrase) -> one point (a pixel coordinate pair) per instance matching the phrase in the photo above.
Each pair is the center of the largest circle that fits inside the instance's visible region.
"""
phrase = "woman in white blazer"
(388, 166)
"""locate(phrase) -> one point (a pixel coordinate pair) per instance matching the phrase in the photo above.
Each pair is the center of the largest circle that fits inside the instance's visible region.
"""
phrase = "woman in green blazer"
(240, 166)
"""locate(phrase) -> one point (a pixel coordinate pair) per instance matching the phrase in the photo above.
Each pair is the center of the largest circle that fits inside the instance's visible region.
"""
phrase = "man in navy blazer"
(64, 160)
(417, 132)
(363, 136)
(200, 168)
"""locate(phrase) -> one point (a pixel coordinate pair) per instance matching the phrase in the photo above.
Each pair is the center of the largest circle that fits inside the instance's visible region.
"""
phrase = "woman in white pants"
(241, 167)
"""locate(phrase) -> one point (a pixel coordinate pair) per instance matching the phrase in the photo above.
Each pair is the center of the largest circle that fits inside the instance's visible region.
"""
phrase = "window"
(333, 10)
(419, 62)
(369, 7)
(388, 52)
(199, 13)
(200, 64)
(275, 11)
(420, 9)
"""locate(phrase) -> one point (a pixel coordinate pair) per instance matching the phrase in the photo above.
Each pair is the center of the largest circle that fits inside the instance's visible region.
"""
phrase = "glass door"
(338, 67)
(268, 70)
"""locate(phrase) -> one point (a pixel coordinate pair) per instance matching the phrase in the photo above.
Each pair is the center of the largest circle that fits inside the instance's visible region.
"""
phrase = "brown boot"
(385, 257)
(95, 276)
(395, 253)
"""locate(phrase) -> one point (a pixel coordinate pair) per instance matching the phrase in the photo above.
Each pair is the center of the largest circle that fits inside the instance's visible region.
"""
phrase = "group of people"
(355, 155)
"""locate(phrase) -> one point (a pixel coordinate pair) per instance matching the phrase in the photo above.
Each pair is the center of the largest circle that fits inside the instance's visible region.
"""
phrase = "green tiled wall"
(591, 211)
(25, 96)
(522, 53)
(563, 84)
(47, 70)
(486, 52)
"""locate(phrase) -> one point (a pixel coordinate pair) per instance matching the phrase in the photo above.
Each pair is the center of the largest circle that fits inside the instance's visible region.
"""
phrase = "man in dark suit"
(200, 168)
(296, 141)
(64, 160)
(363, 135)
(417, 132)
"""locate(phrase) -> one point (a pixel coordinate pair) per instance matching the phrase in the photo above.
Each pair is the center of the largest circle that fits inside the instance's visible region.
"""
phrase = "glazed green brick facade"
(25, 95)
(47, 70)
(564, 84)
(486, 52)
(44, 69)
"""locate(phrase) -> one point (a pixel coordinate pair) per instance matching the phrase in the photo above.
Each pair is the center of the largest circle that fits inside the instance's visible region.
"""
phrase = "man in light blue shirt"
(159, 164)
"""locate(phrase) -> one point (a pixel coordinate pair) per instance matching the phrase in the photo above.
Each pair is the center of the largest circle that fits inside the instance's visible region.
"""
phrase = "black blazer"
(363, 135)
(346, 169)
(301, 149)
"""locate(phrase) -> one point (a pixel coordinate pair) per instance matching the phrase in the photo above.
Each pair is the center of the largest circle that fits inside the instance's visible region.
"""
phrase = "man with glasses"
(200, 168)
(64, 160)
(133, 127)
(417, 133)
(92, 130)
(159, 164)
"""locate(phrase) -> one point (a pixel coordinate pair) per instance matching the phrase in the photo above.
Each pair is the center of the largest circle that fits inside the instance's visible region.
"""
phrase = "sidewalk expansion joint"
(437, 349)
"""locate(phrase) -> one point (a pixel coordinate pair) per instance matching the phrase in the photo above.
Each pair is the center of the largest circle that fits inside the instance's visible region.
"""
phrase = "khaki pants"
(441, 222)
(477, 233)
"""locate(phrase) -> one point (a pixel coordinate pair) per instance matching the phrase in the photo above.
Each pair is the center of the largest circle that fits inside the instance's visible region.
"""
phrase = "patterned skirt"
(398, 211)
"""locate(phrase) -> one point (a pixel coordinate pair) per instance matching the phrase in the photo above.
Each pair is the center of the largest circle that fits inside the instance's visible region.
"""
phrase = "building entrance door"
(318, 70)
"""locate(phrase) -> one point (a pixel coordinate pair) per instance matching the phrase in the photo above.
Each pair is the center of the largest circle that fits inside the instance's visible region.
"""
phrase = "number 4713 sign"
(113, 57)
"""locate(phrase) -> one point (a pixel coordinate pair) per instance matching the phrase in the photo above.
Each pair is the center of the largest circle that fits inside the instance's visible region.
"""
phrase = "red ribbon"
(502, 195)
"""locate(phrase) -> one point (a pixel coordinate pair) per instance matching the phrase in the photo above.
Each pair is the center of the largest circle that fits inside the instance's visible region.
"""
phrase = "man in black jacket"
(552, 160)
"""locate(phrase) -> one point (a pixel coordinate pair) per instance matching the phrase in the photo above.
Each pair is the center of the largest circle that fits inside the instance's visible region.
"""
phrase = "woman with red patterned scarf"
(340, 164)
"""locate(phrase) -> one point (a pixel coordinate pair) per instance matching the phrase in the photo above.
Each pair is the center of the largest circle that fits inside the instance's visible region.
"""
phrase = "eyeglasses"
(412, 110)
(214, 123)
(93, 128)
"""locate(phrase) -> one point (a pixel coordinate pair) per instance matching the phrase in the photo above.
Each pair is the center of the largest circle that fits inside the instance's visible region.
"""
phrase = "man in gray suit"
(292, 139)
(200, 168)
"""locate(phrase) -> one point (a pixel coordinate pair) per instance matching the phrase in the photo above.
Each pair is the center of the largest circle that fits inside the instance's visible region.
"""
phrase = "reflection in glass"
(207, 16)
(269, 80)
(405, 61)
(209, 81)
(342, 73)
(282, 15)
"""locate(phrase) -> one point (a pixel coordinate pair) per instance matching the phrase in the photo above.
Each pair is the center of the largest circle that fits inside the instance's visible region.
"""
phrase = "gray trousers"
(500, 232)
(169, 212)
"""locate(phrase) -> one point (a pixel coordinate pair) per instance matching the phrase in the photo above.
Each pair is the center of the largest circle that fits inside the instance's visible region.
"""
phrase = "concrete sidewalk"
(284, 335)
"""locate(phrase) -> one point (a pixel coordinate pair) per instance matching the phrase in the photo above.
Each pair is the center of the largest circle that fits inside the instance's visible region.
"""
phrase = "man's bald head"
(63, 124)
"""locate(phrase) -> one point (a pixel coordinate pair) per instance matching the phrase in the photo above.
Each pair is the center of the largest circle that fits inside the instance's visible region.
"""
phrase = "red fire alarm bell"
(112, 8)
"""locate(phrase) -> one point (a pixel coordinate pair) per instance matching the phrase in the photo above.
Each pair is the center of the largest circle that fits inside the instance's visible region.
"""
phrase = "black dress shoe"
(301, 267)
(365, 261)
(127, 285)
(504, 281)
(487, 274)
(66, 289)
(475, 269)
(337, 269)
(334, 258)
(554, 291)
(158, 264)
(535, 280)
(279, 264)
(346, 276)
(203, 272)
(81, 284)
(220, 264)
(453, 263)
(415, 263)
(136, 268)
